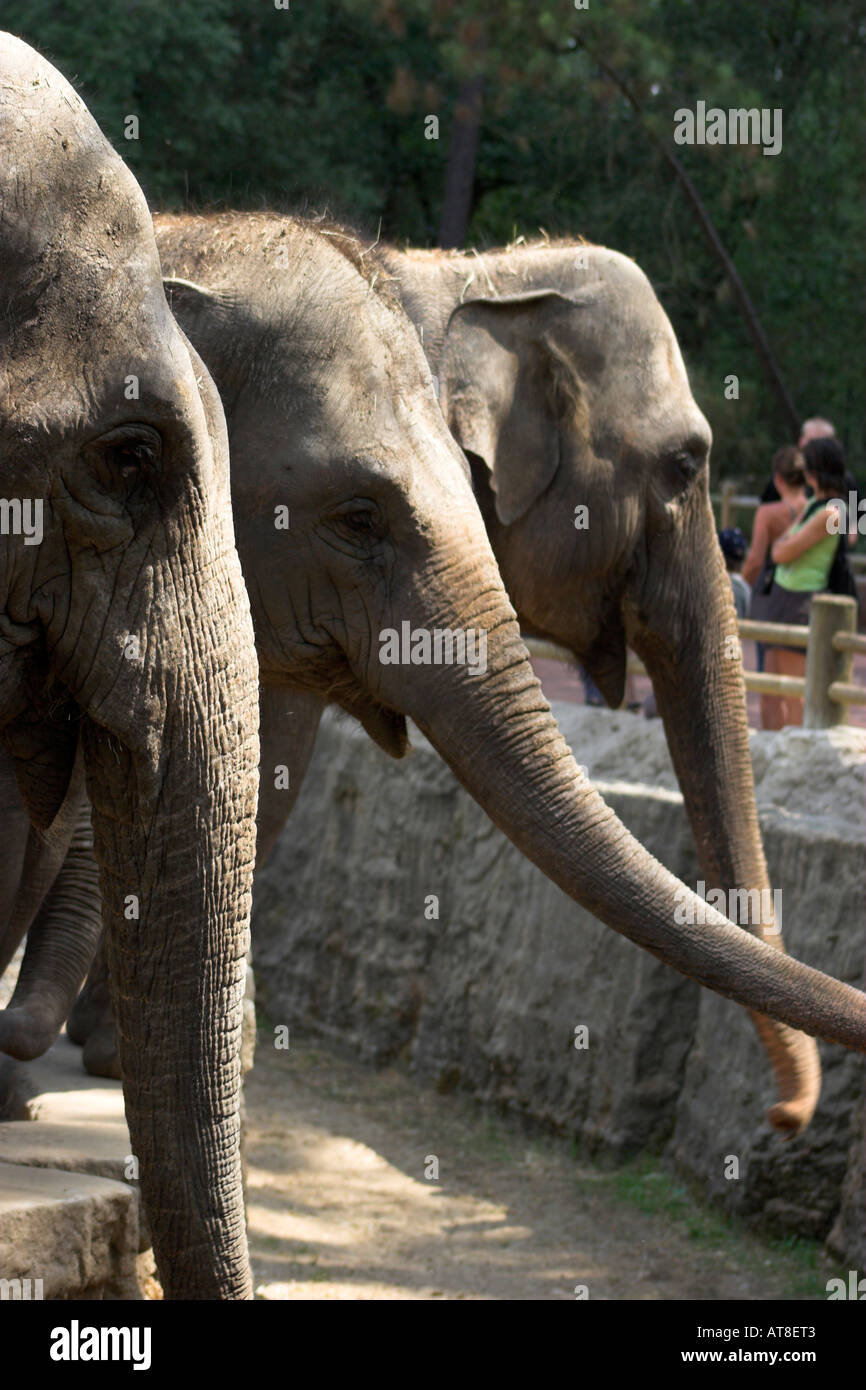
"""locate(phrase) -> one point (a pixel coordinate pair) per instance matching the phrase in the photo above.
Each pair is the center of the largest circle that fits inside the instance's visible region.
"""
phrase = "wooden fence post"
(726, 509)
(829, 614)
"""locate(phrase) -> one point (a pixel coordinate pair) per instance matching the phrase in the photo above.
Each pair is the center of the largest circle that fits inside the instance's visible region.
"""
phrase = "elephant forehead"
(32, 90)
(625, 309)
(349, 363)
(626, 347)
(57, 167)
(77, 243)
(72, 267)
(68, 372)
(391, 413)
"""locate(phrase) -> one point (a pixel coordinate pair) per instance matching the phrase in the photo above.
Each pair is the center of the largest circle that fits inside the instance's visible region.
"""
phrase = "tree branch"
(755, 329)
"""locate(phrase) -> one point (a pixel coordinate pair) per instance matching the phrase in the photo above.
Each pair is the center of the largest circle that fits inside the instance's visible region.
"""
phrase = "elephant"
(49, 889)
(356, 520)
(561, 378)
(127, 668)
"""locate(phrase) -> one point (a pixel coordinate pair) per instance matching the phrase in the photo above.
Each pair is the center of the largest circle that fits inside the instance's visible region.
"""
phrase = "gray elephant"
(127, 661)
(356, 523)
(561, 378)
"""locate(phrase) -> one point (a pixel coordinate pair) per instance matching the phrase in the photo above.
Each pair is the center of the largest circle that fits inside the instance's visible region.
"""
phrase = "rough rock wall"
(486, 996)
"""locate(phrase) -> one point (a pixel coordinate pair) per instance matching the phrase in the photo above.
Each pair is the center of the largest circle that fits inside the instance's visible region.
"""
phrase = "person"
(734, 546)
(774, 518)
(803, 557)
(814, 428)
(771, 520)
(817, 428)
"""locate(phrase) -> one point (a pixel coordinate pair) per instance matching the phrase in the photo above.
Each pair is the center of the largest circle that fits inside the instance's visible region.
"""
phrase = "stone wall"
(486, 997)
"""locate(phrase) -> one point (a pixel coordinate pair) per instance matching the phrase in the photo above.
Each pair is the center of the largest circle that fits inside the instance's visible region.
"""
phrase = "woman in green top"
(803, 558)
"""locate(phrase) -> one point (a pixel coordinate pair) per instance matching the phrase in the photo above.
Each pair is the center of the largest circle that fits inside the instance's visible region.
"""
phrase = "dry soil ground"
(339, 1205)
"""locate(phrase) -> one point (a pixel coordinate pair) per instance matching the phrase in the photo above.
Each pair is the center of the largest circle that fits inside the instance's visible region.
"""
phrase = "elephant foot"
(90, 1012)
(27, 1031)
(91, 1026)
(16, 1090)
(100, 1053)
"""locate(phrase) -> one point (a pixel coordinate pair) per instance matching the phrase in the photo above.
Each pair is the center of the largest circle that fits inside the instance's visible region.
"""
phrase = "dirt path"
(339, 1206)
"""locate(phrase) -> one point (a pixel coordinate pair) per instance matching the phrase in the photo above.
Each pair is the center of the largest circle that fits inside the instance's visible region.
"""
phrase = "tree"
(460, 176)
(327, 106)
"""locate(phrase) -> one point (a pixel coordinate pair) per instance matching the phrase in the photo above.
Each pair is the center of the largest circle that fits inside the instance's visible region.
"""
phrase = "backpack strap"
(814, 506)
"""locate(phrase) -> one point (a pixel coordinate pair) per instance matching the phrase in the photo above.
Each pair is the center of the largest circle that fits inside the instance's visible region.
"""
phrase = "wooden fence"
(830, 643)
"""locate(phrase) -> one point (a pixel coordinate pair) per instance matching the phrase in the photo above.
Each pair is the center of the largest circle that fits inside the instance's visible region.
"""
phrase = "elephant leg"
(91, 1022)
(61, 941)
(16, 838)
(89, 1010)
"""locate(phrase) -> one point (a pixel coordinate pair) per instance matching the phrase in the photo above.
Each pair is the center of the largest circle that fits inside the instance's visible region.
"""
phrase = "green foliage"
(325, 105)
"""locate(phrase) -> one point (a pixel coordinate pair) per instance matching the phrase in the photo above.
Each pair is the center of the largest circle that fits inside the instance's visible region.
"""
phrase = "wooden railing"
(830, 642)
(729, 501)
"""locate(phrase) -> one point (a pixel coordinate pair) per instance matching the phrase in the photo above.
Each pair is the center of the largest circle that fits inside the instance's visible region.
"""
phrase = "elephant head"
(561, 377)
(125, 632)
(361, 542)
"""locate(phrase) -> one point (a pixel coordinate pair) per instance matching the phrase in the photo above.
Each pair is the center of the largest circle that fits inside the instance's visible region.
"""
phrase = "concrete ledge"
(102, 1150)
(76, 1233)
(486, 995)
(68, 1213)
(80, 1133)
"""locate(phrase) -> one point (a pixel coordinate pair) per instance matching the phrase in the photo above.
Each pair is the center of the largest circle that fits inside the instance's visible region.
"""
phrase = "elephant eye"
(126, 454)
(685, 464)
(358, 520)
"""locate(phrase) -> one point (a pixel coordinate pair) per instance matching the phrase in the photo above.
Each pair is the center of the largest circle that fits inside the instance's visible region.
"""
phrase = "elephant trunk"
(176, 854)
(700, 693)
(497, 733)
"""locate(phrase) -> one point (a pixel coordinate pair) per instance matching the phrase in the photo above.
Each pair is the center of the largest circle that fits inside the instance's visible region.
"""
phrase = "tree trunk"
(460, 175)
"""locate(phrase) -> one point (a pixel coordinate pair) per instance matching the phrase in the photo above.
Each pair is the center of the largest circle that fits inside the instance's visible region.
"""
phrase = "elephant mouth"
(340, 685)
(331, 677)
(385, 726)
(605, 658)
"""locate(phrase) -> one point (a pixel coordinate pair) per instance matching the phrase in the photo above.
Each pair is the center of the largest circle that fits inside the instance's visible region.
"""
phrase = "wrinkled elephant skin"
(126, 657)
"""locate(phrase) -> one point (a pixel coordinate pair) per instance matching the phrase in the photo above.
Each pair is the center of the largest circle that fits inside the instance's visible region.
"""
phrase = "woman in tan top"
(772, 520)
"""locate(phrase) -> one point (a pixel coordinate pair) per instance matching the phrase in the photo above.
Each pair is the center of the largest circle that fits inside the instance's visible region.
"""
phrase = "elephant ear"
(504, 388)
(188, 301)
